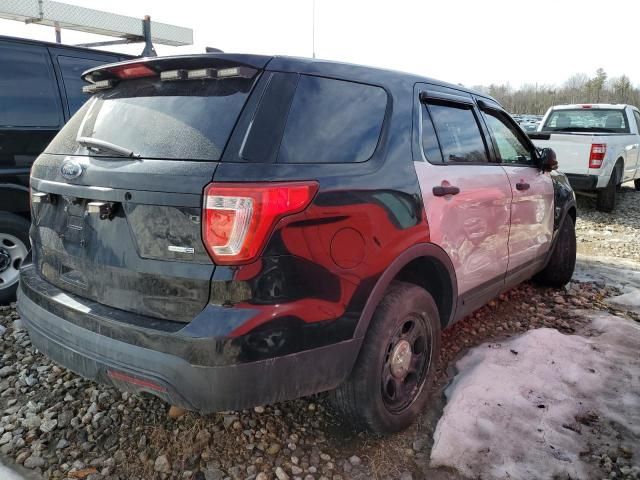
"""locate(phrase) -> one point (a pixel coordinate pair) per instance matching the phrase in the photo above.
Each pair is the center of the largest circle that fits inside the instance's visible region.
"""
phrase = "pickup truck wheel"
(559, 270)
(14, 248)
(389, 385)
(608, 195)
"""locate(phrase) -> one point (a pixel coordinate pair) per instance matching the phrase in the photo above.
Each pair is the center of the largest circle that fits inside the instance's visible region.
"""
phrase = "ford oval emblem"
(71, 169)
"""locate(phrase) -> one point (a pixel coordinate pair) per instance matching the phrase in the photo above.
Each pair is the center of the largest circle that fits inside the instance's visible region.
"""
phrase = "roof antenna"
(313, 28)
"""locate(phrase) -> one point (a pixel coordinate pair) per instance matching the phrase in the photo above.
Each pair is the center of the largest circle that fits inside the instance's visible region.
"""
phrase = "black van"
(40, 89)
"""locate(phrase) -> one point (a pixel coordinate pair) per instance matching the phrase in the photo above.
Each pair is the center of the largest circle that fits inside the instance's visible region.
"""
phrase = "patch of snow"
(514, 409)
(616, 272)
(7, 474)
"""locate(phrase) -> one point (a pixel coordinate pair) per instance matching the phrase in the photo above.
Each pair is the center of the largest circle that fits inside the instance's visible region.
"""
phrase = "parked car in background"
(527, 122)
(225, 231)
(597, 147)
(40, 89)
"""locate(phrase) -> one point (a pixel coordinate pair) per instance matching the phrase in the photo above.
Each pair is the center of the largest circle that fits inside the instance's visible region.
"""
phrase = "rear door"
(467, 197)
(532, 190)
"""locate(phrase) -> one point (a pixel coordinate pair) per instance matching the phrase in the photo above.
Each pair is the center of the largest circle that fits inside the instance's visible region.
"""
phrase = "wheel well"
(431, 274)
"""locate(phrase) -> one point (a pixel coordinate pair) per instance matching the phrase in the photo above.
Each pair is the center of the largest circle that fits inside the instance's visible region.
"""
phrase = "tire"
(559, 270)
(608, 195)
(377, 396)
(14, 248)
(636, 183)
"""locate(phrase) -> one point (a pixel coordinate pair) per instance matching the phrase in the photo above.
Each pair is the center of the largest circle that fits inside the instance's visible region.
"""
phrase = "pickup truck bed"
(596, 146)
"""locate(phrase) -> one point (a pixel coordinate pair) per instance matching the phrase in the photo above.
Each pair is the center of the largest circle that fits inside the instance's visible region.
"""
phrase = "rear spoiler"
(186, 62)
(539, 135)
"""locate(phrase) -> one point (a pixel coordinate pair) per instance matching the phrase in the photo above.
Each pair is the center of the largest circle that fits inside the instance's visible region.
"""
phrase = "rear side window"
(332, 121)
(459, 133)
(28, 92)
(71, 68)
(184, 120)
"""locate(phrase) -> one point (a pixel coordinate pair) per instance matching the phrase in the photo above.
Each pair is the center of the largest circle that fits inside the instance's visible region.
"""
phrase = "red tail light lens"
(238, 218)
(596, 157)
(132, 70)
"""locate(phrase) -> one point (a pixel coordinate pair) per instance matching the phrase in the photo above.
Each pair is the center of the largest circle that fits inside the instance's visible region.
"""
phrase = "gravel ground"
(54, 423)
(65, 427)
(612, 234)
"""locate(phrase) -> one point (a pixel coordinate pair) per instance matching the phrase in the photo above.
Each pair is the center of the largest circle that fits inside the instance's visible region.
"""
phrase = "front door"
(533, 197)
(467, 199)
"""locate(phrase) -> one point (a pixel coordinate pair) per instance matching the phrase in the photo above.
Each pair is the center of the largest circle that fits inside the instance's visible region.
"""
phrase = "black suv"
(40, 89)
(224, 231)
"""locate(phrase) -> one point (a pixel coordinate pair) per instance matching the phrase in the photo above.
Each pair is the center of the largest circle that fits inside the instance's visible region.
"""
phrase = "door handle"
(441, 191)
(522, 186)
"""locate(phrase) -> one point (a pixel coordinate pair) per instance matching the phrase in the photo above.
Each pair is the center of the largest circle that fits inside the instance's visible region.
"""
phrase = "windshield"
(587, 120)
(190, 120)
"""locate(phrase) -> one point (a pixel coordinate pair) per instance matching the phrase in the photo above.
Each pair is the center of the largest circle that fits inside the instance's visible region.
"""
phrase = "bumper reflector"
(123, 377)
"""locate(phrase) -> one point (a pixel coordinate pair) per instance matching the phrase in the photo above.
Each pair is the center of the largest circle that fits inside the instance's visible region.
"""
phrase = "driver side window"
(511, 148)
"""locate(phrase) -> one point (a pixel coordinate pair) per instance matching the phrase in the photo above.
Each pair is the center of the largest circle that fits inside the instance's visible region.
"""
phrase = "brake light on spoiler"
(598, 152)
(132, 70)
(238, 218)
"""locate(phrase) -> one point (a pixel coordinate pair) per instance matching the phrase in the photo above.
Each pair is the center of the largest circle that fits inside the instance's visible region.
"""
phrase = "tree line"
(579, 88)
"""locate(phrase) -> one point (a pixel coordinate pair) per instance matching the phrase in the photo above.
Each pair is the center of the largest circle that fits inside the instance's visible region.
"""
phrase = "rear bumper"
(172, 377)
(583, 182)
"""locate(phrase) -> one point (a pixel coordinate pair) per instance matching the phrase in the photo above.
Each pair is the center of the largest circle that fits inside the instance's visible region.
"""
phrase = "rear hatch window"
(156, 119)
(587, 120)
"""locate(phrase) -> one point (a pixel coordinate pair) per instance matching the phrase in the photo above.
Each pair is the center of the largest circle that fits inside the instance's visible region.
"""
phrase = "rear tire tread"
(608, 196)
(354, 397)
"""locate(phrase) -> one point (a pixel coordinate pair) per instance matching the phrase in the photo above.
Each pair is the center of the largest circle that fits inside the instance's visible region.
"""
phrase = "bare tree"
(578, 88)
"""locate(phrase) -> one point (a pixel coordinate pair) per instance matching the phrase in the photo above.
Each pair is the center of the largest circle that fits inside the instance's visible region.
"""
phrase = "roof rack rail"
(126, 29)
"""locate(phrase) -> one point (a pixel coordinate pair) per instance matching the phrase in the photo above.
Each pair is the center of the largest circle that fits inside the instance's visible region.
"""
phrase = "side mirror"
(548, 160)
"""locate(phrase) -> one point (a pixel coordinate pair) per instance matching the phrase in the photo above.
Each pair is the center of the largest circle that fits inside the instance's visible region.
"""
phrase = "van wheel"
(14, 248)
(559, 270)
(389, 385)
(608, 195)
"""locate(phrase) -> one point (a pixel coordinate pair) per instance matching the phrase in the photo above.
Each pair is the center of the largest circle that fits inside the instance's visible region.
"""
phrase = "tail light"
(238, 218)
(132, 70)
(596, 157)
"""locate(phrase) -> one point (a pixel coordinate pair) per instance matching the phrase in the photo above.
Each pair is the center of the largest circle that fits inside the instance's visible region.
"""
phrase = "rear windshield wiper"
(103, 146)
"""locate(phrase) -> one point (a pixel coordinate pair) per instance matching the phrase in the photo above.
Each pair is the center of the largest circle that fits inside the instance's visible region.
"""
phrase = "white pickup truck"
(597, 147)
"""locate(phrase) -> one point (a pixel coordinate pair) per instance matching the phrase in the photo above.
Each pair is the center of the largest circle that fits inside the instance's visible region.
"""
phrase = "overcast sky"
(470, 42)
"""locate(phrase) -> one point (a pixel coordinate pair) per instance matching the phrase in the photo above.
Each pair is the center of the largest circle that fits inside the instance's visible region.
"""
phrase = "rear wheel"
(636, 183)
(559, 270)
(388, 387)
(14, 248)
(608, 195)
